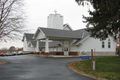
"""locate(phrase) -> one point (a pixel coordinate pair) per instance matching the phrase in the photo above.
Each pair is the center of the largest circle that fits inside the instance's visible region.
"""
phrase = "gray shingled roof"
(76, 42)
(82, 33)
(40, 43)
(77, 34)
(67, 25)
(59, 33)
(29, 36)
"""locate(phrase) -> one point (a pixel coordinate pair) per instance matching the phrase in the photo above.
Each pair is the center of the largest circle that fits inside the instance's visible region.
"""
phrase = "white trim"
(37, 46)
(82, 34)
(68, 26)
(42, 31)
(31, 44)
(47, 45)
(35, 33)
(83, 39)
(23, 37)
(38, 33)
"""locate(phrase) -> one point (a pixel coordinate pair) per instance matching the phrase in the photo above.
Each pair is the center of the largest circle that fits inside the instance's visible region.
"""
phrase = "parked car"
(1, 54)
(15, 53)
(23, 52)
(9, 54)
(4, 54)
(18, 53)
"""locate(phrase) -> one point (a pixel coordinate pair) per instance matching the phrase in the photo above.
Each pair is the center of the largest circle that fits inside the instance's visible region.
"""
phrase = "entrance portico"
(64, 43)
(48, 35)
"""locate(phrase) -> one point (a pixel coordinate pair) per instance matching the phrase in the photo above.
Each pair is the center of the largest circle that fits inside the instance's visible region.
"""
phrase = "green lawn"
(107, 67)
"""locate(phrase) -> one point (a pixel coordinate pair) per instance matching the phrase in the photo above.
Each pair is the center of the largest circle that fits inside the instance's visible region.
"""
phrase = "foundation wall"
(77, 53)
(102, 54)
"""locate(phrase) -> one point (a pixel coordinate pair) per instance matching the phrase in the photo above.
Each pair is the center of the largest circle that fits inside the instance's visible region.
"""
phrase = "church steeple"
(55, 21)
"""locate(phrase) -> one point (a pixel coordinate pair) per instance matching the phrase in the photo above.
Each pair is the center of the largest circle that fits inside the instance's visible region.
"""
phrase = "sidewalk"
(55, 56)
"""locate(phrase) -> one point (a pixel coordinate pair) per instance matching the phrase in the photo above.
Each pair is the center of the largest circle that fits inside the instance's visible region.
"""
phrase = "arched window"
(109, 44)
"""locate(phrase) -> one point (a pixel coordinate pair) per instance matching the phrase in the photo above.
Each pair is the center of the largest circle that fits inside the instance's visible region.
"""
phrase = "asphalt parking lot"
(31, 67)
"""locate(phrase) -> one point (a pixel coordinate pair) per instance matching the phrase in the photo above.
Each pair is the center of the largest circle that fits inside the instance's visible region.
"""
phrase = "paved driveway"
(30, 67)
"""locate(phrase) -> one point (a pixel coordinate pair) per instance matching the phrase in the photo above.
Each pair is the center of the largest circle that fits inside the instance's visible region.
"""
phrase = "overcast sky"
(38, 10)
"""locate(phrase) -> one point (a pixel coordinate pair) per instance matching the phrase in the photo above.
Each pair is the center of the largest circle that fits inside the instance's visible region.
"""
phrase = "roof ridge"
(56, 29)
(80, 29)
(28, 33)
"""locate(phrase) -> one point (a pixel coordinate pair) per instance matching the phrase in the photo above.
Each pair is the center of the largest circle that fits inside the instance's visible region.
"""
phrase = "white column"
(47, 45)
(62, 46)
(37, 46)
(70, 45)
(34, 49)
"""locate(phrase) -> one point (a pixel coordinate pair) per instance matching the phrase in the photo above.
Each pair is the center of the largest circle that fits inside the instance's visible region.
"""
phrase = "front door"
(66, 51)
(66, 48)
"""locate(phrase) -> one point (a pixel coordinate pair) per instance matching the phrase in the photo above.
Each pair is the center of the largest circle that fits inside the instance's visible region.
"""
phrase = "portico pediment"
(39, 34)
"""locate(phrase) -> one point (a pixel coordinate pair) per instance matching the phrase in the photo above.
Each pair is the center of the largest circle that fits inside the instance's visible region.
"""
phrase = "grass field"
(107, 67)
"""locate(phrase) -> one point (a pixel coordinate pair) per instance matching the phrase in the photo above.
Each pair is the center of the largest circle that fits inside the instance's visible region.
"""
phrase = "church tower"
(55, 21)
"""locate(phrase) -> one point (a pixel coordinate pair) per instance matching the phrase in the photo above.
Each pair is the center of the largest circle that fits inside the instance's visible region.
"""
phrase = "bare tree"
(3, 50)
(11, 19)
(12, 48)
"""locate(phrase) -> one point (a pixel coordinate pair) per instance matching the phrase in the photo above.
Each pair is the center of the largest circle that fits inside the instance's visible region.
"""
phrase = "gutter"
(83, 40)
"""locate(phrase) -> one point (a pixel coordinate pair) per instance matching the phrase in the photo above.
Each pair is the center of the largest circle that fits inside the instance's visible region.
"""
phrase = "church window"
(109, 43)
(103, 44)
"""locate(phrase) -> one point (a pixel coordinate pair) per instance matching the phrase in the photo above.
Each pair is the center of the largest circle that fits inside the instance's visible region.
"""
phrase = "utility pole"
(93, 62)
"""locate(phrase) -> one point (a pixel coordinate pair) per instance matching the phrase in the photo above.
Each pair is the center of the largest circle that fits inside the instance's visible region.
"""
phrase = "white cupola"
(55, 21)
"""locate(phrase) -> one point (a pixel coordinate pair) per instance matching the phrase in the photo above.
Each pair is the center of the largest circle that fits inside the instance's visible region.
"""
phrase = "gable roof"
(67, 26)
(29, 36)
(59, 33)
(79, 35)
(83, 34)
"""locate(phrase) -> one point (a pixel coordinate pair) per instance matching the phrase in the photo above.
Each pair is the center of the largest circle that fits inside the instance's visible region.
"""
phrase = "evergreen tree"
(105, 19)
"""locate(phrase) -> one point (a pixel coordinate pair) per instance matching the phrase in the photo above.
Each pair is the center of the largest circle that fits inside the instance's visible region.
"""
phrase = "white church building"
(59, 38)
